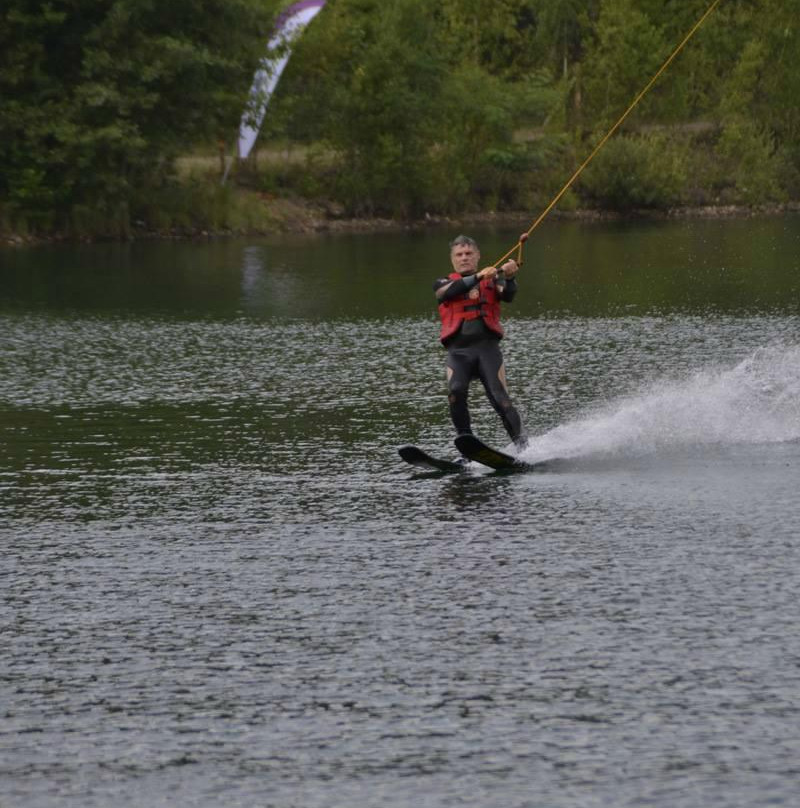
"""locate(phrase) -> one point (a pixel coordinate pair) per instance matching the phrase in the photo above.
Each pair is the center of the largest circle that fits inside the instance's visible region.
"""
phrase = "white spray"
(757, 401)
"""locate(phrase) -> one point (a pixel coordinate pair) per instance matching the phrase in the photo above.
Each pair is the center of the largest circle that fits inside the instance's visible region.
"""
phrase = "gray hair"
(464, 241)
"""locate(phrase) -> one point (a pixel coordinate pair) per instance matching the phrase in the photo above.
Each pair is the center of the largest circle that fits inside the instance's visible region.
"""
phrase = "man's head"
(464, 255)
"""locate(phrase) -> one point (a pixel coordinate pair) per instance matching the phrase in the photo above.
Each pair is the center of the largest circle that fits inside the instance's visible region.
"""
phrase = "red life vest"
(471, 306)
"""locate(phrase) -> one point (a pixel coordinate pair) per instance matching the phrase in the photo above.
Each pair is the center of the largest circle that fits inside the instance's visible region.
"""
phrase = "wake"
(757, 401)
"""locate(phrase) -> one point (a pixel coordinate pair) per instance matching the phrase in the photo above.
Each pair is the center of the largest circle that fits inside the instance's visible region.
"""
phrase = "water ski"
(475, 449)
(417, 457)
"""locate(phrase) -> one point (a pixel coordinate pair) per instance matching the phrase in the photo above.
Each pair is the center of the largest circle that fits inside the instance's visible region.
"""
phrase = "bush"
(748, 170)
(636, 172)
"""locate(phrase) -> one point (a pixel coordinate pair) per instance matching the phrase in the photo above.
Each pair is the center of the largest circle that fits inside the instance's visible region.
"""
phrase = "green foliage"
(379, 73)
(400, 107)
(98, 97)
(561, 30)
(498, 36)
(636, 172)
(200, 203)
(417, 101)
(626, 51)
(748, 169)
(386, 112)
(477, 128)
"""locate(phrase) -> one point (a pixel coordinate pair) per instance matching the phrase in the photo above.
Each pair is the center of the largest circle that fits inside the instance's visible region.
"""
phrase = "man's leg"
(492, 374)
(459, 373)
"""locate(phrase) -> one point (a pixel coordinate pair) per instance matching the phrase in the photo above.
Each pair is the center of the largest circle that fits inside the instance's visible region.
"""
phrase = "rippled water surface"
(221, 586)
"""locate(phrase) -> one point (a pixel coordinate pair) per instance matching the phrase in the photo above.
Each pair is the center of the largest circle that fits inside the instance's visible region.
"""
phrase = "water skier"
(469, 307)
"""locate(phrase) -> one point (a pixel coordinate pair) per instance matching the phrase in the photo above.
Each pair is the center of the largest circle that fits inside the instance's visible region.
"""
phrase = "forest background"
(117, 116)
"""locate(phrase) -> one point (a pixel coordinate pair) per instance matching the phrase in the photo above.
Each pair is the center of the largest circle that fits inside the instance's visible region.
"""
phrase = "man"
(469, 307)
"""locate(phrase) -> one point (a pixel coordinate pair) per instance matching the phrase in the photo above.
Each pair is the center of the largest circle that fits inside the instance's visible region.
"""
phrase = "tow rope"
(524, 237)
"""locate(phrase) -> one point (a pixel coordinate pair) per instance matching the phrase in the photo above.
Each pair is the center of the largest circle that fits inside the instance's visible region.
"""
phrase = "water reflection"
(589, 269)
(470, 494)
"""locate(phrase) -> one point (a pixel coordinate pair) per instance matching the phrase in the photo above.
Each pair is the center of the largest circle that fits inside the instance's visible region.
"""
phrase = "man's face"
(465, 259)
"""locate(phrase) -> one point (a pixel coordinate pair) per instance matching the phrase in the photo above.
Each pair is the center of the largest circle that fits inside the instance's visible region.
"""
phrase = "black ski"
(475, 449)
(417, 457)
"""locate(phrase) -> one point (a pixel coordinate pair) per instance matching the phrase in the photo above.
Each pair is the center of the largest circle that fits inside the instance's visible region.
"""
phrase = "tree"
(496, 35)
(382, 104)
(561, 28)
(99, 96)
(758, 153)
(627, 50)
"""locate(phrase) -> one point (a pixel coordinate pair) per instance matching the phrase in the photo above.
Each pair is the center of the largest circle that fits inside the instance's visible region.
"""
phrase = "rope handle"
(522, 239)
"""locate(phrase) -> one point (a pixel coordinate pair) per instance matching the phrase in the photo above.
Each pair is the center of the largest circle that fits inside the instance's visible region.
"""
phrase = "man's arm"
(508, 290)
(446, 289)
(508, 285)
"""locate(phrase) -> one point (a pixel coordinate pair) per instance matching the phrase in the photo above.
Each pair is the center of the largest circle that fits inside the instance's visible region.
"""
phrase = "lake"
(221, 585)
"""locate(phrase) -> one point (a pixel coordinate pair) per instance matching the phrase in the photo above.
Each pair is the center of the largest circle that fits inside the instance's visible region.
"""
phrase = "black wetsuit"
(474, 352)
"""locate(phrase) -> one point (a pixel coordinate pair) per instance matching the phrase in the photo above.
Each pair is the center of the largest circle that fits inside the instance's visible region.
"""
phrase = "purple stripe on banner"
(296, 8)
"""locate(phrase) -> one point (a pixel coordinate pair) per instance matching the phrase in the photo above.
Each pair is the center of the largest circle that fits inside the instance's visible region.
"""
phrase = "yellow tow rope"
(524, 237)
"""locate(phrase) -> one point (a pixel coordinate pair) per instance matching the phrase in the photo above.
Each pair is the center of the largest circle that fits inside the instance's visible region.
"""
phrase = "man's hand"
(510, 268)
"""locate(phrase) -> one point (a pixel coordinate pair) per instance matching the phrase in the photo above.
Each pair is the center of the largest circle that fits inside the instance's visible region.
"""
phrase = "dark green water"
(584, 269)
(221, 584)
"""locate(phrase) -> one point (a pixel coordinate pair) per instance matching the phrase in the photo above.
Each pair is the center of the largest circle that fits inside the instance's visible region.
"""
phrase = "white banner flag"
(288, 27)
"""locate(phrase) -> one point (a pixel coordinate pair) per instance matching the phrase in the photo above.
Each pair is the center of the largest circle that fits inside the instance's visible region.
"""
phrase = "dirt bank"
(283, 215)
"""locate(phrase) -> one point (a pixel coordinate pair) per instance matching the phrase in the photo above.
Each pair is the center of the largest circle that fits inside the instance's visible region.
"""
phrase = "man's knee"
(504, 403)
(499, 397)
(458, 389)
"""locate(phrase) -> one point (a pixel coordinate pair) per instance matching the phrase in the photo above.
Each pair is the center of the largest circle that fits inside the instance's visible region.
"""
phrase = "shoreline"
(288, 216)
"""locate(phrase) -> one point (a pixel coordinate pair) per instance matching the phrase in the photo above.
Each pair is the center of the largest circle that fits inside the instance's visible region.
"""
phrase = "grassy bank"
(685, 171)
